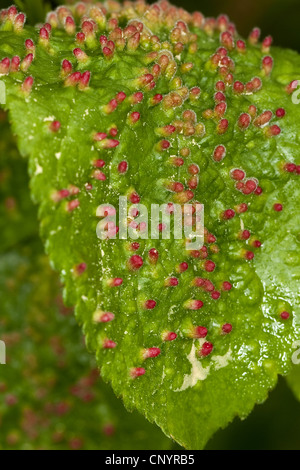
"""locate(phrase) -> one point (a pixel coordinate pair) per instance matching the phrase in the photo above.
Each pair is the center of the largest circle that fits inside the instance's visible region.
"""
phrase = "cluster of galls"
(99, 27)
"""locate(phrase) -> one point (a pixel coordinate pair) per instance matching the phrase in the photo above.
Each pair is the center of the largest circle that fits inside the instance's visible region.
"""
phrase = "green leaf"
(188, 389)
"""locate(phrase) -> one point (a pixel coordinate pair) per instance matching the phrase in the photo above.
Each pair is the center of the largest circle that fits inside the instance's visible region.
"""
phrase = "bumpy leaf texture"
(161, 106)
(51, 394)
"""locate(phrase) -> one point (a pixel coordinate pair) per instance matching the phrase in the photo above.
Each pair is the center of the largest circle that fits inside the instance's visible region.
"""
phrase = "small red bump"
(67, 67)
(123, 167)
(219, 97)
(285, 315)
(80, 269)
(80, 38)
(136, 262)
(15, 64)
(153, 255)
(193, 169)
(222, 126)
(278, 207)
(228, 214)
(254, 85)
(87, 27)
(226, 40)
(238, 87)
(4, 66)
(29, 44)
(220, 109)
(44, 34)
(227, 328)
(99, 163)
(209, 266)
(72, 205)
(244, 121)
(206, 349)
(98, 175)
(215, 295)
(84, 80)
(109, 344)
(195, 253)
(121, 97)
(267, 64)
(249, 255)
(290, 167)
(99, 136)
(195, 93)
(273, 131)
(62, 194)
(70, 26)
(137, 97)
(164, 145)
(222, 51)
(80, 54)
(193, 182)
(135, 246)
(220, 86)
(55, 126)
(106, 317)
(280, 112)
(194, 304)
(171, 282)
(113, 132)
(237, 174)
(241, 208)
(292, 87)
(199, 332)
(258, 191)
(156, 99)
(116, 282)
(28, 84)
(175, 187)
(103, 40)
(137, 372)
(229, 79)
(151, 353)
(134, 198)
(176, 161)
(73, 79)
(107, 52)
(250, 186)
(257, 244)
(245, 235)
(150, 304)
(169, 336)
(254, 36)
(227, 286)
(266, 44)
(241, 46)
(134, 117)
(263, 119)
(19, 22)
(48, 27)
(219, 153)
(182, 267)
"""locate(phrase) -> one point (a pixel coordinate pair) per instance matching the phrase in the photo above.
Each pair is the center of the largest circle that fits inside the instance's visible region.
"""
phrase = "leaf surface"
(80, 129)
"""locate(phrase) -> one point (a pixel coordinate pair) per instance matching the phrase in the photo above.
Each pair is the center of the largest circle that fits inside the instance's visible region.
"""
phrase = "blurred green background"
(275, 424)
